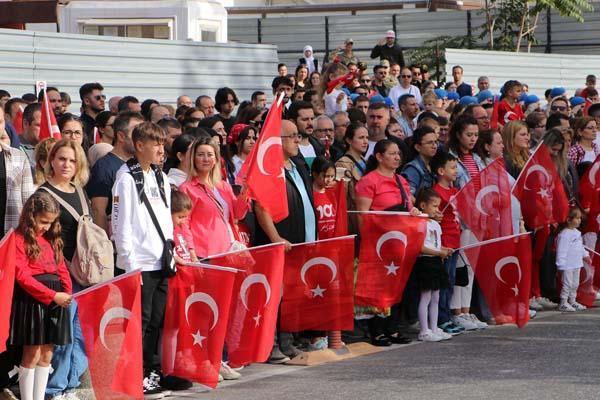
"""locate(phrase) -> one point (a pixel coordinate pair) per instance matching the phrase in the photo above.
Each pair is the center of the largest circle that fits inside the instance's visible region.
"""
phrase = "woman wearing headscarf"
(309, 60)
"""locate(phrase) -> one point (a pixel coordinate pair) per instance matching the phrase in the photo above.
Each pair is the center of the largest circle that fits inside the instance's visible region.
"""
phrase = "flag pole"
(478, 244)
(388, 213)
(109, 282)
(325, 240)
(592, 251)
(231, 253)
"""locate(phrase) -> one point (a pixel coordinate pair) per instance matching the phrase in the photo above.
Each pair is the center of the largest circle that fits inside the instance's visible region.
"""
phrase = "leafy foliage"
(432, 52)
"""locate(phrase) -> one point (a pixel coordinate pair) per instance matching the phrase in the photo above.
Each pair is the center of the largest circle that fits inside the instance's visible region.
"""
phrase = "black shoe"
(175, 383)
(398, 338)
(291, 351)
(381, 341)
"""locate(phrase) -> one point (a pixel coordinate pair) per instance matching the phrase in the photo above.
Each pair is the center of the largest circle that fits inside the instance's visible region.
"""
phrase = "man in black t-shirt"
(103, 174)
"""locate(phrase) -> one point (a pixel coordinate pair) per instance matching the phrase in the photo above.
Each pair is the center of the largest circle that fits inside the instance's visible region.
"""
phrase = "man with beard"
(302, 115)
(54, 100)
(408, 111)
(389, 49)
(104, 172)
(92, 103)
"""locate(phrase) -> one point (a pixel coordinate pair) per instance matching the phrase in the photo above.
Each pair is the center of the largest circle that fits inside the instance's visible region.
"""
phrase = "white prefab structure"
(198, 20)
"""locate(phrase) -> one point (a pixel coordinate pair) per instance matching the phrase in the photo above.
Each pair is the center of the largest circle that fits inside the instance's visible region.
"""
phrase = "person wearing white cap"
(388, 49)
(309, 60)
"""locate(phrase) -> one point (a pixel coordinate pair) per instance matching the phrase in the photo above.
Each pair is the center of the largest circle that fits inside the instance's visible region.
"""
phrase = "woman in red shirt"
(216, 209)
(40, 316)
(383, 189)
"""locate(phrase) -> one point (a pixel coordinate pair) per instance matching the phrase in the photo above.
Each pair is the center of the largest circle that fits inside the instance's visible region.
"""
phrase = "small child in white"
(570, 255)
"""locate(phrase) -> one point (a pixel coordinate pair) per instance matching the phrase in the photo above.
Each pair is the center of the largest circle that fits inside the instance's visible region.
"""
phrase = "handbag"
(462, 274)
(169, 267)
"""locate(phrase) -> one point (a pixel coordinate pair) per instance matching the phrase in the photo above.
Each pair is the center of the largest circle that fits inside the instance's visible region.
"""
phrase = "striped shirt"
(471, 166)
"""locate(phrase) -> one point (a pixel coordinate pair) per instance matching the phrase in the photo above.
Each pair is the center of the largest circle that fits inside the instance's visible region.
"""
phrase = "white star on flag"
(198, 338)
(257, 319)
(317, 291)
(516, 290)
(391, 269)
(544, 193)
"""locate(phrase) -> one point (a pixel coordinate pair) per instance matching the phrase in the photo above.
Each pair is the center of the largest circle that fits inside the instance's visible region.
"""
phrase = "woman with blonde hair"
(216, 209)
(42, 151)
(336, 99)
(515, 136)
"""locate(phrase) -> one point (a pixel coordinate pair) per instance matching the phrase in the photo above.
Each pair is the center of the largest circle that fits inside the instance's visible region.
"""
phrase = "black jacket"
(292, 228)
(88, 127)
(393, 54)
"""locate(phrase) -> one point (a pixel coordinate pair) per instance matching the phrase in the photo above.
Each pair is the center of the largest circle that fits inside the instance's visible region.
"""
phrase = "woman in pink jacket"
(216, 209)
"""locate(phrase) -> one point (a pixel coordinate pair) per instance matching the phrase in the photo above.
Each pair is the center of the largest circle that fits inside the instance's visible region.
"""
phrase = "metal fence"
(144, 68)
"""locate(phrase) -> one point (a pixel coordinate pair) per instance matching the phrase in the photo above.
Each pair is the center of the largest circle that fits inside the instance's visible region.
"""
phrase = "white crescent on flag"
(389, 236)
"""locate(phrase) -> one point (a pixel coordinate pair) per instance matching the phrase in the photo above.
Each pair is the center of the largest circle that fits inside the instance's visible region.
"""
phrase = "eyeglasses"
(168, 118)
(324, 130)
(345, 125)
(365, 80)
(295, 136)
(405, 76)
(558, 108)
(100, 97)
(72, 133)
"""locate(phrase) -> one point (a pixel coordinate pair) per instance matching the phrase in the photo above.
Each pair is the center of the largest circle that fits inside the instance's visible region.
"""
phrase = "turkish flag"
(195, 323)
(263, 171)
(502, 268)
(486, 208)
(540, 191)
(7, 284)
(17, 121)
(254, 303)
(390, 244)
(341, 217)
(48, 125)
(110, 315)
(586, 294)
(589, 192)
(318, 286)
(596, 265)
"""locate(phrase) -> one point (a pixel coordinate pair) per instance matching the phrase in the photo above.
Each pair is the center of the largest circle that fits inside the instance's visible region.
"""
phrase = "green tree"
(432, 54)
(509, 23)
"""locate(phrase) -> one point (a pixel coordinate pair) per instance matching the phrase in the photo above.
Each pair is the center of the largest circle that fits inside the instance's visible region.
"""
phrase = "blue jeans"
(69, 361)
(444, 313)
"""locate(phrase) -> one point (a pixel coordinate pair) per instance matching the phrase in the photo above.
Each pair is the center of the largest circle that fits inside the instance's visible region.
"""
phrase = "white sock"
(26, 379)
(41, 380)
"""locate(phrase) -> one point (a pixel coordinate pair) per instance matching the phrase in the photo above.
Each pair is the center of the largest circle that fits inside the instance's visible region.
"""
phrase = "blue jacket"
(417, 175)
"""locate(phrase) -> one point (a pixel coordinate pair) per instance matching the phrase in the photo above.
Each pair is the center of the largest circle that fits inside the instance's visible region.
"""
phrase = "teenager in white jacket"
(138, 243)
(570, 255)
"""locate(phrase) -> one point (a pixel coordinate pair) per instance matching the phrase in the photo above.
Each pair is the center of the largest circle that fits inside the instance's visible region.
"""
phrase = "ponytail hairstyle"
(40, 202)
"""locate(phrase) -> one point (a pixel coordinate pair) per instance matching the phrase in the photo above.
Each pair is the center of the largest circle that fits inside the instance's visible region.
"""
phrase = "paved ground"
(557, 356)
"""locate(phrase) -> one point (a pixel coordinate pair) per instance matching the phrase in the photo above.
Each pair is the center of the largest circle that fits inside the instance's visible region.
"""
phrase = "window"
(209, 30)
(135, 28)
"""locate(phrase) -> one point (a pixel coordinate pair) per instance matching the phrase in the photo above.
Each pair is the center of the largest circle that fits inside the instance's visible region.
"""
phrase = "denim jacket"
(417, 175)
(463, 174)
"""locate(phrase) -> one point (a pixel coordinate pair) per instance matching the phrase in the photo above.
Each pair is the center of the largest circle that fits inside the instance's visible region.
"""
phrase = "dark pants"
(154, 300)
(446, 293)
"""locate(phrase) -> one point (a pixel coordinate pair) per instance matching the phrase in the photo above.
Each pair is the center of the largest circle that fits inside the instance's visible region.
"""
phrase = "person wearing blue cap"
(557, 91)
(531, 104)
(485, 96)
(405, 87)
(577, 104)
(466, 100)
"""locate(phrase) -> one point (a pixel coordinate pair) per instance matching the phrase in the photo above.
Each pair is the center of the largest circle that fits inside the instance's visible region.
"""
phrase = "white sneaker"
(465, 322)
(70, 396)
(546, 303)
(227, 373)
(598, 295)
(429, 336)
(578, 307)
(566, 307)
(59, 396)
(532, 314)
(440, 333)
(534, 305)
(476, 321)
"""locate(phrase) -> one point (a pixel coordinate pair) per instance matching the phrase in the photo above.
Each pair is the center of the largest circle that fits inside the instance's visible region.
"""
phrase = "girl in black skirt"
(39, 317)
(429, 269)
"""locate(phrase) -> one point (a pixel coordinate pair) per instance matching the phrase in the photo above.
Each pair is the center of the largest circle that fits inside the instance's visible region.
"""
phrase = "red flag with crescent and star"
(390, 244)
(48, 125)
(486, 207)
(195, 324)
(540, 191)
(254, 303)
(589, 193)
(7, 284)
(110, 315)
(502, 268)
(318, 286)
(263, 170)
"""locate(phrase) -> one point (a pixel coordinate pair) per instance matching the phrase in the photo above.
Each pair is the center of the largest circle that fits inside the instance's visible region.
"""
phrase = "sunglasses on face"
(406, 76)
(100, 97)
(558, 108)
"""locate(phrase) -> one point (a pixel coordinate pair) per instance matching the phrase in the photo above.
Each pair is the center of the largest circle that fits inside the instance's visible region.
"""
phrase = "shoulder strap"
(63, 203)
(153, 216)
(402, 192)
(83, 201)
(356, 163)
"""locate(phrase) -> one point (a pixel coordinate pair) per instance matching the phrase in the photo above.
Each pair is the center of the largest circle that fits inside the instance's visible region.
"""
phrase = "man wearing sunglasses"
(405, 87)
(560, 105)
(92, 103)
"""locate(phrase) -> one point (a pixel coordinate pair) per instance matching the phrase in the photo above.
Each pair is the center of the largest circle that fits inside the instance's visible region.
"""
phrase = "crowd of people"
(147, 171)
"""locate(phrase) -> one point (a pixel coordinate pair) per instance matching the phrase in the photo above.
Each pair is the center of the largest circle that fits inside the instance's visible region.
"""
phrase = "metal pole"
(326, 57)
(469, 30)
(394, 24)
(548, 30)
(259, 29)
(437, 62)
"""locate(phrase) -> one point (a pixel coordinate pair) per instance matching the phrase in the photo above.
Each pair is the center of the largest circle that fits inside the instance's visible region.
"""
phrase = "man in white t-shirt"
(404, 87)
(301, 113)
